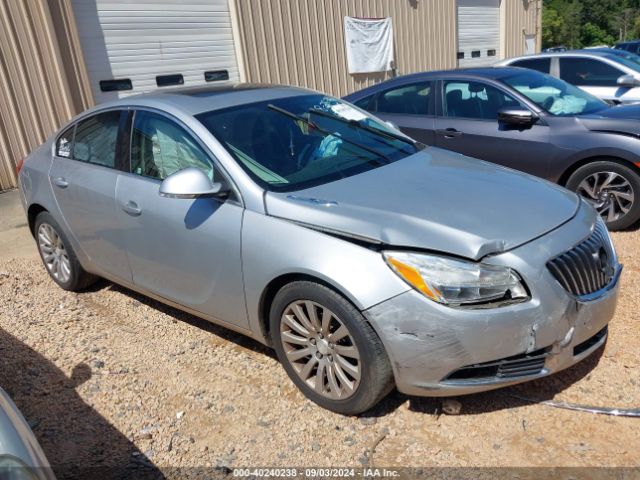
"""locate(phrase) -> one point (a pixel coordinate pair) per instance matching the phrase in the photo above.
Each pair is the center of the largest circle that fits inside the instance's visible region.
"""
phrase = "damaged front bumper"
(437, 350)
(475, 350)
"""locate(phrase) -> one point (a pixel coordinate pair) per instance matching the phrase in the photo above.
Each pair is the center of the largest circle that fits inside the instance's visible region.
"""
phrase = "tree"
(592, 35)
(552, 24)
(578, 23)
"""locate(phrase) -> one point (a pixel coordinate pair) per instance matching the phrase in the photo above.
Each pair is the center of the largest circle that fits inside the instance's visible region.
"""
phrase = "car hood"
(620, 119)
(435, 200)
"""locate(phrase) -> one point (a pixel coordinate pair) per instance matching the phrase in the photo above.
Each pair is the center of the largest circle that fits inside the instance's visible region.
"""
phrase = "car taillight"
(19, 166)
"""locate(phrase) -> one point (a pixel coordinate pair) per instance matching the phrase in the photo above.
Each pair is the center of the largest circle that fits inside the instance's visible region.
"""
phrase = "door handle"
(132, 209)
(449, 132)
(60, 182)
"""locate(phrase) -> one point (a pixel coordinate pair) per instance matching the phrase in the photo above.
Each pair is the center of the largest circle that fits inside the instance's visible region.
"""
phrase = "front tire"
(328, 349)
(58, 256)
(613, 189)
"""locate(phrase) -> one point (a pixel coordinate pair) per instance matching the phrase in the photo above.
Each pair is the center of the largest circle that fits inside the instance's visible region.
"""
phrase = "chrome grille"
(587, 267)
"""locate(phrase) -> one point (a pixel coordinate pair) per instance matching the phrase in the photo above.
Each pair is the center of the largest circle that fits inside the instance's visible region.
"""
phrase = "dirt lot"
(108, 377)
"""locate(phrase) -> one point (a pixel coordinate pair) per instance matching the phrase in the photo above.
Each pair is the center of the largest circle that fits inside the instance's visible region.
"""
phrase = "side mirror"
(190, 182)
(517, 117)
(628, 81)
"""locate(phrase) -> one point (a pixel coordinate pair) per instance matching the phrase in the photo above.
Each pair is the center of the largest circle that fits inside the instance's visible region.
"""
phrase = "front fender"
(272, 247)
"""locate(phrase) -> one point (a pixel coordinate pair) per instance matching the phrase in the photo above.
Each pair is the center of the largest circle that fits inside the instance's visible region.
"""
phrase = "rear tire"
(328, 349)
(613, 189)
(58, 256)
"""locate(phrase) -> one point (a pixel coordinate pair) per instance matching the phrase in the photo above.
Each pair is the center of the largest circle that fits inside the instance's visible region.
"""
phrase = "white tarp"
(369, 44)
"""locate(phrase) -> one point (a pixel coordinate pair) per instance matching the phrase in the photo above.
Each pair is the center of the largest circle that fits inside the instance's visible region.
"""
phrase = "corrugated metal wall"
(35, 96)
(302, 42)
(521, 17)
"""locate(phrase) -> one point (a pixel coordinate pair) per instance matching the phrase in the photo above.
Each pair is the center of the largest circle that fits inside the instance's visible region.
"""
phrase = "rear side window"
(364, 103)
(95, 139)
(408, 99)
(588, 72)
(539, 64)
(65, 143)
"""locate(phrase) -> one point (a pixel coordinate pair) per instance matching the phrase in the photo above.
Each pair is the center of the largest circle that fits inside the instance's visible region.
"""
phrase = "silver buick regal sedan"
(366, 260)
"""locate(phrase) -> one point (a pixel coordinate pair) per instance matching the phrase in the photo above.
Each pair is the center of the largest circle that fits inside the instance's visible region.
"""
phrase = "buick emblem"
(601, 258)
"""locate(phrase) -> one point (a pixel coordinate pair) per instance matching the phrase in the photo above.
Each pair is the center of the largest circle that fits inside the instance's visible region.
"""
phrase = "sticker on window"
(64, 148)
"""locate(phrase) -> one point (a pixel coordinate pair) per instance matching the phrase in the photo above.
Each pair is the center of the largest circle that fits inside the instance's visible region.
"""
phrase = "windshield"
(302, 141)
(554, 95)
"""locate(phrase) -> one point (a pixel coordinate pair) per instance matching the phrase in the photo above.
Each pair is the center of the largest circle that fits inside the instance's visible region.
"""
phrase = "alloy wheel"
(54, 254)
(610, 193)
(320, 349)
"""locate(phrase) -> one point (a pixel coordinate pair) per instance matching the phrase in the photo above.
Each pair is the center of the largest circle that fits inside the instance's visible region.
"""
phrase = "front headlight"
(456, 282)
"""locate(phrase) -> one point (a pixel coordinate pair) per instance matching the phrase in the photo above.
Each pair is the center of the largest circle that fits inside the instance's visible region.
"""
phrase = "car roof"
(491, 73)
(194, 100)
(600, 52)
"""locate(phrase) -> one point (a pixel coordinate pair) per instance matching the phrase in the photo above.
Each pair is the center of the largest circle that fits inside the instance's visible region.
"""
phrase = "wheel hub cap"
(320, 349)
(610, 193)
(53, 253)
(323, 346)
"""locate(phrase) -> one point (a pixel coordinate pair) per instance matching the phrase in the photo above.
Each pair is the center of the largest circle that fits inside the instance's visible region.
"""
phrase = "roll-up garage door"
(478, 32)
(134, 46)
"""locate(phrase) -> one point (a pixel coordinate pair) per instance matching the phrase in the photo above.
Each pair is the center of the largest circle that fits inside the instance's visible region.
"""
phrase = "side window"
(160, 147)
(363, 103)
(95, 139)
(475, 100)
(65, 143)
(408, 99)
(539, 64)
(588, 72)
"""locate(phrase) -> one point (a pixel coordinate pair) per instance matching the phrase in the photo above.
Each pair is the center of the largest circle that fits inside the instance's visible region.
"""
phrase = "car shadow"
(78, 442)
(538, 390)
(179, 315)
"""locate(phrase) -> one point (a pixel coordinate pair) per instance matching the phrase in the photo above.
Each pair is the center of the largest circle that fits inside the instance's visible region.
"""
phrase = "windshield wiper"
(366, 127)
(327, 132)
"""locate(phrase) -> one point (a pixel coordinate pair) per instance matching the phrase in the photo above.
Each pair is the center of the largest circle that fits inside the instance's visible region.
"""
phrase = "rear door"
(410, 106)
(467, 123)
(184, 250)
(83, 177)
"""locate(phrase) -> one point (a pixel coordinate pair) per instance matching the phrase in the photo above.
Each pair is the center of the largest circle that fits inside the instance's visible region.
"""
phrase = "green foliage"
(583, 23)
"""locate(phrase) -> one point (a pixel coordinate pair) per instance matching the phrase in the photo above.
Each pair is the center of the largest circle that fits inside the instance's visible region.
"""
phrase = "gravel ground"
(108, 377)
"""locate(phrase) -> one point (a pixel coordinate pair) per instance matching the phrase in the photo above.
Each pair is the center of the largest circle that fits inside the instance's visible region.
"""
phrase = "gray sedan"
(525, 120)
(363, 258)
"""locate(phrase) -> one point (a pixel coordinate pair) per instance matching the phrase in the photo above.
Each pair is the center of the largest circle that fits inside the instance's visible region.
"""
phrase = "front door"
(83, 176)
(469, 125)
(184, 250)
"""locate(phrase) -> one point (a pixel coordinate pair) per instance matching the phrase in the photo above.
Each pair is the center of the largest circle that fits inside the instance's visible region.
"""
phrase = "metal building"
(58, 57)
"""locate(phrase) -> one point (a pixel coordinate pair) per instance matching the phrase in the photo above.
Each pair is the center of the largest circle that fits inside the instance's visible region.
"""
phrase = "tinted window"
(115, 85)
(475, 100)
(160, 147)
(539, 64)
(296, 142)
(95, 139)
(412, 99)
(364, 103)
(585, 71)
(65, 143)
